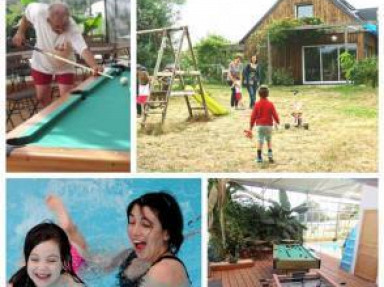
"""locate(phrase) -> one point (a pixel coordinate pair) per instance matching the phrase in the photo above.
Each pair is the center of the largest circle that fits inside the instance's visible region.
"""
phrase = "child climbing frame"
(161, 85)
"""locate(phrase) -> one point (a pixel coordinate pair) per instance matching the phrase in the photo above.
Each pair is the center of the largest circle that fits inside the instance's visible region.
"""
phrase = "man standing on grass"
(56, 32)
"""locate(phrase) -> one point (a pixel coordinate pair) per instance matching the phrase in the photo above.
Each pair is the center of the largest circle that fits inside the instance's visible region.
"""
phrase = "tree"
(217, 199)
(281, 220)
(212, 53)
(153, 14)
(233, 224)
(219, 203)
(347, 61)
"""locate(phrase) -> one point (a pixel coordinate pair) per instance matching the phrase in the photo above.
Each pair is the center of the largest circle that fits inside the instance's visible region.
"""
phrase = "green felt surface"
(292, 252)
(100, 121)
(56, 114)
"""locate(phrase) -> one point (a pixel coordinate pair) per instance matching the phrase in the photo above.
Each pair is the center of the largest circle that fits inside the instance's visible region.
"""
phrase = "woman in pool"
(155, 229)
(48, 261)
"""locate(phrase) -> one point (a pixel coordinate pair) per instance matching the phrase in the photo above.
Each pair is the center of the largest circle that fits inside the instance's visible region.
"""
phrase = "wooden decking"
(250, 277)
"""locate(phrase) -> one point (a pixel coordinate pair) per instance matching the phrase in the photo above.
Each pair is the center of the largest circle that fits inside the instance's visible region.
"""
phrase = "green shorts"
(264, 133)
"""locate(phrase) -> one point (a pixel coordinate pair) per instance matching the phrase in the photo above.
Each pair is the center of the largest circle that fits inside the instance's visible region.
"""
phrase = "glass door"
(312, 64)
(321, 64)
(330, 64)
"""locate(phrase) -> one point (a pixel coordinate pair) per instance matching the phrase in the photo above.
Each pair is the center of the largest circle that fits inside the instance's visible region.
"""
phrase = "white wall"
(370, 201)
(370, 198)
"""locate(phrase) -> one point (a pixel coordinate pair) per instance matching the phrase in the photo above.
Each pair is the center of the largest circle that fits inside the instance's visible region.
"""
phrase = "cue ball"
(123, 81)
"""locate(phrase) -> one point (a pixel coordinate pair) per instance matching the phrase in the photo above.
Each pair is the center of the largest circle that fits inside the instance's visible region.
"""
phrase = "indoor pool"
(333, 248)
(97, 206)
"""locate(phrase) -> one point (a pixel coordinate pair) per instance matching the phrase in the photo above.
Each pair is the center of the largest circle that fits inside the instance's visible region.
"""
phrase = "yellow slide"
(213, 106)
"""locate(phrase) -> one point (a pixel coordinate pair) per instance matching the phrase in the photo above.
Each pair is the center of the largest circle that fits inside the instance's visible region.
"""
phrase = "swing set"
(162, 81)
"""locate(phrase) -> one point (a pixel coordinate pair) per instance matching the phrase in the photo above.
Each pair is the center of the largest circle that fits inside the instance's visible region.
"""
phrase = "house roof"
(368, 14)
(360, 15)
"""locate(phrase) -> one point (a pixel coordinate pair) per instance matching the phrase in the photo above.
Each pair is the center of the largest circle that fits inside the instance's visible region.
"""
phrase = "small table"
(294, 257)
(317, 278)
(85, 130)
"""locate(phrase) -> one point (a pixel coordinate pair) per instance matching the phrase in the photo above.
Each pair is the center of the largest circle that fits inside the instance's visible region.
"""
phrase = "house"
(316, 60)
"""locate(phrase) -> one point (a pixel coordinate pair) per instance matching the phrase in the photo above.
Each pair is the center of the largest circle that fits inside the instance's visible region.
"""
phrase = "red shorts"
(45, 79)
(142, 99)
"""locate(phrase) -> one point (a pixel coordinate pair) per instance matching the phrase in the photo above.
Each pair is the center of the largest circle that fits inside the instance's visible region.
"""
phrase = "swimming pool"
(97, 206)
(332, 248)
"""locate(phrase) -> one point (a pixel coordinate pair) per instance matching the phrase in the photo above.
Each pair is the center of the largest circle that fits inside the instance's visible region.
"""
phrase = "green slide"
(213, 106)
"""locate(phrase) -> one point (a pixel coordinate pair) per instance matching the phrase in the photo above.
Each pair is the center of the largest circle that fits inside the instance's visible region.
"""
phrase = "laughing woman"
(155, 229)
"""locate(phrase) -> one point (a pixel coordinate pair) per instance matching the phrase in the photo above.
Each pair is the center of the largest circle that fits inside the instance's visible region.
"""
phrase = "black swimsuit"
(126, 282)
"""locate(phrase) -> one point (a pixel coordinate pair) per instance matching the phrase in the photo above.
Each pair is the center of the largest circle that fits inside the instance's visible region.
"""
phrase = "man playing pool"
(56, 32)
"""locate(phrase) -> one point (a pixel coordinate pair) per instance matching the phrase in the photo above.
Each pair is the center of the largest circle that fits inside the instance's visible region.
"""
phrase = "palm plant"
(89, 23)
(232, 224)
(219, 197)
(281, 222)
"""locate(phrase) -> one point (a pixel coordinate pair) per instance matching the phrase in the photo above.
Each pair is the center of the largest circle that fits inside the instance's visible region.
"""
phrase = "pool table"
(313, 279)
(86, 130)
(294, 257)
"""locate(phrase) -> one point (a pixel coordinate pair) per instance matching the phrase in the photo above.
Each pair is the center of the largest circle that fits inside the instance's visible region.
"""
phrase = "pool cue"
(66, 60)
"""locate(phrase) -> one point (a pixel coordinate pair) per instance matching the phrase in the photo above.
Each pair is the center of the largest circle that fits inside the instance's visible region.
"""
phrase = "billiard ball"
(123, 81)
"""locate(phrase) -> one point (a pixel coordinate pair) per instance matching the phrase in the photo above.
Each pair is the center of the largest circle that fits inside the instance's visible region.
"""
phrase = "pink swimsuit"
(77, 259)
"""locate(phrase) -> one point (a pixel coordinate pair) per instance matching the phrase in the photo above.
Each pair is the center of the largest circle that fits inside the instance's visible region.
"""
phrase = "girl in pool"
(48, 260)
(79, 247)
(155, 229)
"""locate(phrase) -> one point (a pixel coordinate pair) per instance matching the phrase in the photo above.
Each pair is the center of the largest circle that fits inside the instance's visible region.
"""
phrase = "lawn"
(342, 135)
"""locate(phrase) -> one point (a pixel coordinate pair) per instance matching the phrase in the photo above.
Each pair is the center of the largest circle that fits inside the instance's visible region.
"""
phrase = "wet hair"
(41, 233)
(263, 92)
(167, 211)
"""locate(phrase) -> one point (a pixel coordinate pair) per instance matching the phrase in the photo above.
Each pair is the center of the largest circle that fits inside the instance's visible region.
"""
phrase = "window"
(303, 11)
(322, 63)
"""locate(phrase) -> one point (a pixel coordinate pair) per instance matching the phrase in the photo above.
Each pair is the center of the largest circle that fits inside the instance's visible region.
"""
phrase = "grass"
(361, 112)
(342, 135)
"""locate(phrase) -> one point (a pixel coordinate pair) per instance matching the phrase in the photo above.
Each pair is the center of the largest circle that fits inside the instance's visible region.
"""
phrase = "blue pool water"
(97, 206)
(333, 248)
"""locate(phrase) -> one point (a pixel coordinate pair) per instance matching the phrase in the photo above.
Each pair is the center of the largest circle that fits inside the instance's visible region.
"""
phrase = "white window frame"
(303, 5)
(348, 46)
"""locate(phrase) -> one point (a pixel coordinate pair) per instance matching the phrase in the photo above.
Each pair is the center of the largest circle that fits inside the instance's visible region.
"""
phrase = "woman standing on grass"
(252, 78)
(234, 73)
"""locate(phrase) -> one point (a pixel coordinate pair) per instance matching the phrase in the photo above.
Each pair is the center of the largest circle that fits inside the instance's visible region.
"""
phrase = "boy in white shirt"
(56, 32)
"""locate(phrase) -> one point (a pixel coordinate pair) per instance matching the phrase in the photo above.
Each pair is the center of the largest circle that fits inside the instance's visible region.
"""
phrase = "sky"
(233, 19)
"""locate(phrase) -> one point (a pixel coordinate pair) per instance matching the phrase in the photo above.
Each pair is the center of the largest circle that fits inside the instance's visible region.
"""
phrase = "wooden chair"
(13, 64)
(22, 103)
(21, 100)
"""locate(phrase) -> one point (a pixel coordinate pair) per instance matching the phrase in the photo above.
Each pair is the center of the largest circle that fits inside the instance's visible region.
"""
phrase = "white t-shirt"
(144, 90)
(47, 40)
